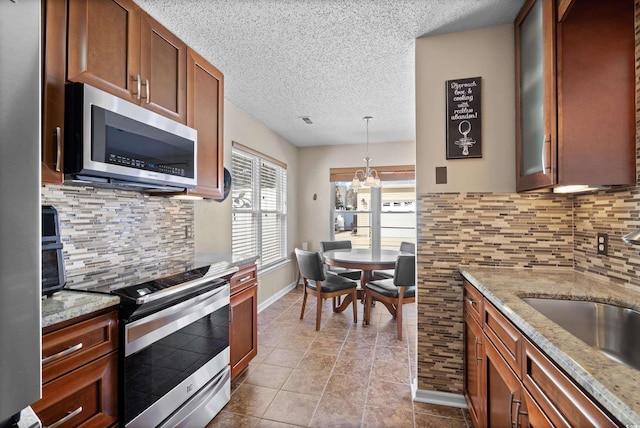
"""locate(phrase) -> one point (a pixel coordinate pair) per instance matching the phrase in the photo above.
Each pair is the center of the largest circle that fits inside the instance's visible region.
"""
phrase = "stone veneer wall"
(102, 228)
(480, 229)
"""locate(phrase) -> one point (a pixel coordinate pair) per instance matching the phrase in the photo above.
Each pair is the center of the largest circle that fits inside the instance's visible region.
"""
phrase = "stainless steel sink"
(613, 330)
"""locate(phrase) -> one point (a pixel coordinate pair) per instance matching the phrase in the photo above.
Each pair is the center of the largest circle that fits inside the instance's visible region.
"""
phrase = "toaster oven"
(53, 273)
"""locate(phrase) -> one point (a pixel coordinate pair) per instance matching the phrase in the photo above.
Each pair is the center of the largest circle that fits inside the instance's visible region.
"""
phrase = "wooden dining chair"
(405, 247)
(340, 245)
(393, 292)
(323, 286)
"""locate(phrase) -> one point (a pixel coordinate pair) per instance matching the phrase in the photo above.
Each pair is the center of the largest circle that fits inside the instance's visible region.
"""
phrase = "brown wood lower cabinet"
(474, 365)
(243, 334)
(86, 397)
(511, 383)
(504, 404)
(80, 372)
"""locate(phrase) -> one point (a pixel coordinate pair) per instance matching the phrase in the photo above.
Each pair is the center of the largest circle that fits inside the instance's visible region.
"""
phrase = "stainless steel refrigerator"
(20, 254)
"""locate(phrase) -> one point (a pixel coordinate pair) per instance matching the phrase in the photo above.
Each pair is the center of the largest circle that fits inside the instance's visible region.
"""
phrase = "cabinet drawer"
(473, 301)
(242, 279)
(85, 397)
(558, 397)
(506, 338)
(70, 347)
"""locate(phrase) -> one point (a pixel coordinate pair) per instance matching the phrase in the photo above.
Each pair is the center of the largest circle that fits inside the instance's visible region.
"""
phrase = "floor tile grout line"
(285, 317)
(330, 375)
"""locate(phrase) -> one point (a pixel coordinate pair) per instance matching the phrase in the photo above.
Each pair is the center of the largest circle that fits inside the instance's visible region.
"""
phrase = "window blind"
(259, 195)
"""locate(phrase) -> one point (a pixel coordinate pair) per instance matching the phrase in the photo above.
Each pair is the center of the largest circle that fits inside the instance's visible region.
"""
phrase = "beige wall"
(213, 219)
(314, 164)
(489, 53)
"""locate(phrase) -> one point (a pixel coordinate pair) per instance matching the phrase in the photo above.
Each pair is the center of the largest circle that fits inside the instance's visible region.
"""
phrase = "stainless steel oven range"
(174, 346)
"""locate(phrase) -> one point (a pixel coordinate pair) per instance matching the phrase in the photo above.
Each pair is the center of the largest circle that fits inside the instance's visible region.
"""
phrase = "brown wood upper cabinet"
(205, 103)
(115, 46)
(535, 95)
(575, 85)
(54, 53)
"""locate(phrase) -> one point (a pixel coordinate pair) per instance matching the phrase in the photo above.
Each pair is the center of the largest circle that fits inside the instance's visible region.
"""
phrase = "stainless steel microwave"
(113, 142)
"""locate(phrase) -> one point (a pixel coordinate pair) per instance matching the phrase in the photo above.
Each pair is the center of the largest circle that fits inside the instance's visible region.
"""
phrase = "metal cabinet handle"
(545, 140)
(476, 350)
(58, 149)
(138, 86)
(471, 301)
(518, 412)
(510, 408)
(66, 418)
(148, 89)
(61, 354)
(246, 278)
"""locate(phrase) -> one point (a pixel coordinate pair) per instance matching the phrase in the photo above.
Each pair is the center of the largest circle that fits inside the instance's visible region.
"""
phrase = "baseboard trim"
(440, 398)
(264, 305)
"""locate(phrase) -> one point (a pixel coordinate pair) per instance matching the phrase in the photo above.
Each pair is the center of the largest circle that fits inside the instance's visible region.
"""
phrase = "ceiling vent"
(306, 120)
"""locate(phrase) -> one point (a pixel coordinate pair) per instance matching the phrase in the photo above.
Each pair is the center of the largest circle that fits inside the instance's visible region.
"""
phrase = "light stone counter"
(65, 305)
(615, 386)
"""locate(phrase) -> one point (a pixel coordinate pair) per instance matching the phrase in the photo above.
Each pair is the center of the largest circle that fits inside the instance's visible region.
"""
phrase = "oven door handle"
(202, 398)
(151, 328)
(184, 286)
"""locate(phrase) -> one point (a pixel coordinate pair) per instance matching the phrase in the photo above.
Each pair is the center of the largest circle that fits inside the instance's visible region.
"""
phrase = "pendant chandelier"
(369, 177)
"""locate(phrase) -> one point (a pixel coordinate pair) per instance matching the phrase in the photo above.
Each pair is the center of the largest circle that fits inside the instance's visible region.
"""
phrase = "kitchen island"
(614, 386)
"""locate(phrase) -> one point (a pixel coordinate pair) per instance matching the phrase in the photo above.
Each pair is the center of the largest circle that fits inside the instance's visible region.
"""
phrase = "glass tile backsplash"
(103, 227)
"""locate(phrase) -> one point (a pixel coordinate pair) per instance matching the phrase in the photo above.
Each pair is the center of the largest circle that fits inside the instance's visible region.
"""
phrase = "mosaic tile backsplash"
(102, 228)
(482, 229)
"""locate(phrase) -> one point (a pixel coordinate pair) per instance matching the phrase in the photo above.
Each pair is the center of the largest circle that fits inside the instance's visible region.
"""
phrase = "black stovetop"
(142, 279)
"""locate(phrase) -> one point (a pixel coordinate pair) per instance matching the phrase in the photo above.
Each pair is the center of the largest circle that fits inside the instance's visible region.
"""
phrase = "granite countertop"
(65, 305)
(615, 386)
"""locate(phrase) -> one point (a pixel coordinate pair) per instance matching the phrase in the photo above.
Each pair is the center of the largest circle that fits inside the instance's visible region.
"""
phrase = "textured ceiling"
(335, 61)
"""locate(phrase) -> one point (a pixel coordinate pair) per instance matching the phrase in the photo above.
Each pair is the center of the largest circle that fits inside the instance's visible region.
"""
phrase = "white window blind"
(259, 198)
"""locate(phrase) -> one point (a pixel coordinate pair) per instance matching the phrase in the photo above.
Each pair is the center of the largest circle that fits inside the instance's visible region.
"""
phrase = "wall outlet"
(603, 244)
(188, 231)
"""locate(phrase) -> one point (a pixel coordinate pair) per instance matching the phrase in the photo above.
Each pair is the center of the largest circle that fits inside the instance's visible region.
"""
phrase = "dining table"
(365, 259)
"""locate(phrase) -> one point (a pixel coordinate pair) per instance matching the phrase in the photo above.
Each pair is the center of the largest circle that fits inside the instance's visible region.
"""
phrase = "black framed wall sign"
(464, 121)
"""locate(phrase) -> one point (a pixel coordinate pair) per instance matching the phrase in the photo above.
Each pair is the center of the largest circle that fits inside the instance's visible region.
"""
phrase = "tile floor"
(345, 375)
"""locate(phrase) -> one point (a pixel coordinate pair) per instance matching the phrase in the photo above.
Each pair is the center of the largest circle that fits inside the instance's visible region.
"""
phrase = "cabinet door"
(53, 80)
(536, 134)
(596, 87)
(504, 392)
(104, 45)
(205, 102)
(244, 329)
(473, 369)
(86, 397)
(163, 70)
